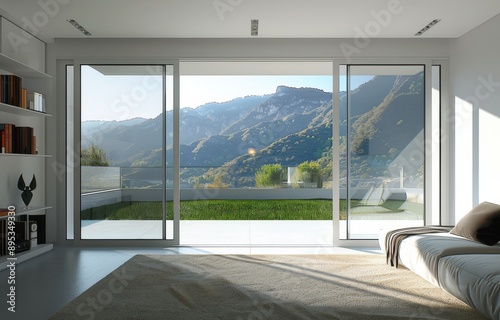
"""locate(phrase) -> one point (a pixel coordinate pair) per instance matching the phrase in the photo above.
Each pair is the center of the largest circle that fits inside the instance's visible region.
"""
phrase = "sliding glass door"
(247, 141)
(382, 149)
(126, 172)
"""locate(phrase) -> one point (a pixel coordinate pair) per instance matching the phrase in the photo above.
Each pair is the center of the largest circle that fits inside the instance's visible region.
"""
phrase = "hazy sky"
(225, 88)
(125, 97)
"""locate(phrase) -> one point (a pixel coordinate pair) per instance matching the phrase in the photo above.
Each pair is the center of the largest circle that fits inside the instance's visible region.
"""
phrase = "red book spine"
(7, 138)
(11, 138)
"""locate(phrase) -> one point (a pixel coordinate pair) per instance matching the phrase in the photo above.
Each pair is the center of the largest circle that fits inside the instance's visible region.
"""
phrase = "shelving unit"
(15, 164)
(22, 112)
(33, 252)
(19, 68)
(30, 211)
(25, 155)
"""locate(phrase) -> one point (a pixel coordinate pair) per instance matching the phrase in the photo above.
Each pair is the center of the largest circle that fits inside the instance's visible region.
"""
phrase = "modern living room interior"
(188, 106)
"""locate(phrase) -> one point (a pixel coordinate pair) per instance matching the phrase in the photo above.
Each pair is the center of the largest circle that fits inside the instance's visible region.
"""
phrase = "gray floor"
(47, 283)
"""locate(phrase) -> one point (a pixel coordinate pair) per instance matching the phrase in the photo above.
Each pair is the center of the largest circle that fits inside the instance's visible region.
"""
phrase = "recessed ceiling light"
(254, 27)
(79, 27)
(427, 27)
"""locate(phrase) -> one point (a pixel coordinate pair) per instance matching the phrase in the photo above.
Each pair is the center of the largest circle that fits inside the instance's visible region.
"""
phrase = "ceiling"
(231, 18)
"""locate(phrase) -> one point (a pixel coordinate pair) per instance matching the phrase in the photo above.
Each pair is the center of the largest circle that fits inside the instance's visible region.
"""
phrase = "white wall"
(475, 89)
(246, 48)
(143, 49)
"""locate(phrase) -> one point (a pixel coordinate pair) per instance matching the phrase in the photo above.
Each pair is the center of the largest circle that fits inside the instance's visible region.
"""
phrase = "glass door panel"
(382, 148)
(256, 153)
(123, 189)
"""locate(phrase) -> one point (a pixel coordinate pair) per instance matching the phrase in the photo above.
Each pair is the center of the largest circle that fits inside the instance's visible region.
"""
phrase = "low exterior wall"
(99, 198)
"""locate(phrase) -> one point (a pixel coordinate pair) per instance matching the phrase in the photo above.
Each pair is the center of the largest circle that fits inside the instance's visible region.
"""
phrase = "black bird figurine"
(27, 194)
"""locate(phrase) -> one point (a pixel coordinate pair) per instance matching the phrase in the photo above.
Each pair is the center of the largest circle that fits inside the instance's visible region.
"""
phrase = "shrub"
(269, 175)
(94, 156)
(310, 172)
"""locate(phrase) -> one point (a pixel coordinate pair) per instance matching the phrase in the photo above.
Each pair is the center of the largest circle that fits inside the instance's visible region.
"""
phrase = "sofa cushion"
(474, 279)
(481, 224)
(422, 253)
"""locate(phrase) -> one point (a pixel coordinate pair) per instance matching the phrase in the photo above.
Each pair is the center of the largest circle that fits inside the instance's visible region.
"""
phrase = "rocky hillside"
(234, 139)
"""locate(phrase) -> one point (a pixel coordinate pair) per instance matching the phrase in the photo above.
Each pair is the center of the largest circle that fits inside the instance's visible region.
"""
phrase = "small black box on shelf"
(39, 220)
(22, 245)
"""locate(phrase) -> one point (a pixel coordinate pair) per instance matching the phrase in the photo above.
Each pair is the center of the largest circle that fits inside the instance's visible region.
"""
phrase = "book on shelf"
(13, 93)
(11, 89)
(17, 139)
(24, 98)
(6, 130)
(36, 101)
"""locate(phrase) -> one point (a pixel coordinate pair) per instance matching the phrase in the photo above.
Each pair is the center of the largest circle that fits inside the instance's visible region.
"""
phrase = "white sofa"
(467, 269)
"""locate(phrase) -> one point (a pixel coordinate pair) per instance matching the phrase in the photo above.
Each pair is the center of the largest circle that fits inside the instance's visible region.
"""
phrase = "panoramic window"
(256, 152)
(382, 148)
(250, 152)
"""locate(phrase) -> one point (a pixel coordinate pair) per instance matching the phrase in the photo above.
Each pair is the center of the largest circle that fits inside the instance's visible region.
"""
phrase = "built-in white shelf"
(20, 69)
(36, 81)
(21, 111)
(32, 211)
(26, 255)
(25, 155)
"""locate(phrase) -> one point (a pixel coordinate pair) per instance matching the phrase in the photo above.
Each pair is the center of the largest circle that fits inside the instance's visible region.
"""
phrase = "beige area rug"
(285, 287)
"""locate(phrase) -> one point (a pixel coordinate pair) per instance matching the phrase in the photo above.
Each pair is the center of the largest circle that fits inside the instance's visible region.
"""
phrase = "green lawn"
(216, 210)
(227, 210)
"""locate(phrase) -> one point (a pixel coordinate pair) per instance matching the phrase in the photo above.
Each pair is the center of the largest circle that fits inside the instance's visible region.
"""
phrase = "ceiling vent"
(427, 27)
(254, 27)
(79, 27)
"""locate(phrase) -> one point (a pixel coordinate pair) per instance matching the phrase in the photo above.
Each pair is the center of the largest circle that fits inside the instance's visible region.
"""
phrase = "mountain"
(285, 101)
(92, 128)
(292, 125)
(288, 111)
(394, 122)
(212, 118)
(378, 134)
(310, 144)
(127, 142)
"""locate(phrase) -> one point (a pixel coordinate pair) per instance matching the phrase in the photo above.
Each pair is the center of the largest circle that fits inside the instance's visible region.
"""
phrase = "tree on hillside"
(94, 156)
(269, 175)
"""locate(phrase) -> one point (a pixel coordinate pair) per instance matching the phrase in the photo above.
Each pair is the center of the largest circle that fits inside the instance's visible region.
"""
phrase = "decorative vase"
(27, 193)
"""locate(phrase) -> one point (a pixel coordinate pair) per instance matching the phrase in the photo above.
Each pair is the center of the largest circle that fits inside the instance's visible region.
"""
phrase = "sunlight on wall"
(463, 175)
(435, 145)
(489, 172)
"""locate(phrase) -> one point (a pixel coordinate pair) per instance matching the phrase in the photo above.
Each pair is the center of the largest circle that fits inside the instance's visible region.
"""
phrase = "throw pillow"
(481, 224)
